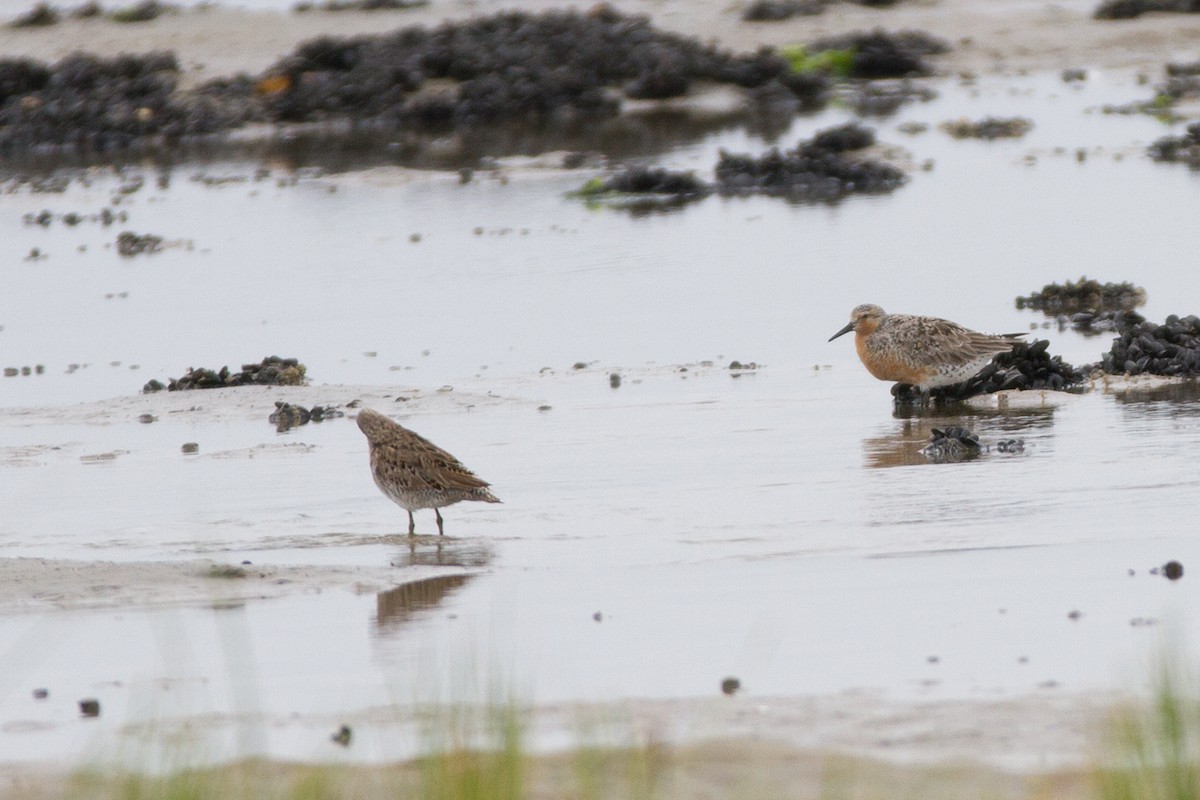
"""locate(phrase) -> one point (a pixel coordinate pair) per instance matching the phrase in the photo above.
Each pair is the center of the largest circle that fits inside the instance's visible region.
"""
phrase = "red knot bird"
(925, 352)
(414, 472)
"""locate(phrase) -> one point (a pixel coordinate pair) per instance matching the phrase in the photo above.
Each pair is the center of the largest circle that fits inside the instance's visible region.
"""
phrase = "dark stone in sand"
(89, 707)
(1173, 570)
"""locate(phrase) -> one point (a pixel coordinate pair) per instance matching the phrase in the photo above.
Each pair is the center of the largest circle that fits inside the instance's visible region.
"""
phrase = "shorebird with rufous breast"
(925, 352)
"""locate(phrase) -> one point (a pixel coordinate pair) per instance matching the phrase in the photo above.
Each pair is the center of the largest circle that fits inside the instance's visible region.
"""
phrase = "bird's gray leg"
(439, 519)
(412, 525)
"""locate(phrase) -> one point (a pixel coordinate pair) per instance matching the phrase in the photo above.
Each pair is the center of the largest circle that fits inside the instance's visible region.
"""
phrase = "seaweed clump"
(640, 188)
(272, 370)
(879, 54)
(818, 170)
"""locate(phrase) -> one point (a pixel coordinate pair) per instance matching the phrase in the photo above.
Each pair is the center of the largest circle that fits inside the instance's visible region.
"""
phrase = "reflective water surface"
(779, 526)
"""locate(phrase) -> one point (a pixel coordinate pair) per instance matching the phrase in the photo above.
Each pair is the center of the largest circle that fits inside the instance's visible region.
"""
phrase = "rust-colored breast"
(886, 365)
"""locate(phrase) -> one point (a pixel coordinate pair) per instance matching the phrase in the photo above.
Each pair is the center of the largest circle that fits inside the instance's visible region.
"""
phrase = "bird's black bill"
(849, 327)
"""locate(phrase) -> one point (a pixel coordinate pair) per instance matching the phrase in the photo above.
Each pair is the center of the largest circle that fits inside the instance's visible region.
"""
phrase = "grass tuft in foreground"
(1155, 749)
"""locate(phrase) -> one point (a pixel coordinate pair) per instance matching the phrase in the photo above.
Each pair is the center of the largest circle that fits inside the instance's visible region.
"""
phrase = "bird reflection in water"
(396, 606)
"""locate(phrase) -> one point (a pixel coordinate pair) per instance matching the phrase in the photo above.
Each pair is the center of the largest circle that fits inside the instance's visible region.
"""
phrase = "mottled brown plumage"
(414, 472)
(925, 352)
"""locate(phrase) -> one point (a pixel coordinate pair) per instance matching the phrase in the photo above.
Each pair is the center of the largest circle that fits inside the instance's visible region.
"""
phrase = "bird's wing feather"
(941, 343)
(425, 465)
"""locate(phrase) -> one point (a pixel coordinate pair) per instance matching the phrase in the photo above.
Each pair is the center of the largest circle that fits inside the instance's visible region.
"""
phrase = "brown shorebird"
(925, 352)
(414, 472)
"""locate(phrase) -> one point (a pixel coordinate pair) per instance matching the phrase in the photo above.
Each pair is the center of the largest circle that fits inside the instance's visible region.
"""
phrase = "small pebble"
(614, 380)
(41, 694)
(1173, 570)
(730, 686)
(598, 616)
(343, 736)
(190, 447)
(89, 707)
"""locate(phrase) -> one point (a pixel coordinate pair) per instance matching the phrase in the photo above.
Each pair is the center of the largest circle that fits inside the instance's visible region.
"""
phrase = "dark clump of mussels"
(953, 443)
(1182, 149)
(1171, 348)
(1089, 306)
(1130, 9)
(956, 443)
(273, 370)
(288, 415)
(511, 65)
(85, 103)
(1026, 366)
(656, 180)
(817, 170)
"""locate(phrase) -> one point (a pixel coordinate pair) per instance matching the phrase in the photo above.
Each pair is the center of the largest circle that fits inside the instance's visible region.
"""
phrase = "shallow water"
(778, 526)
